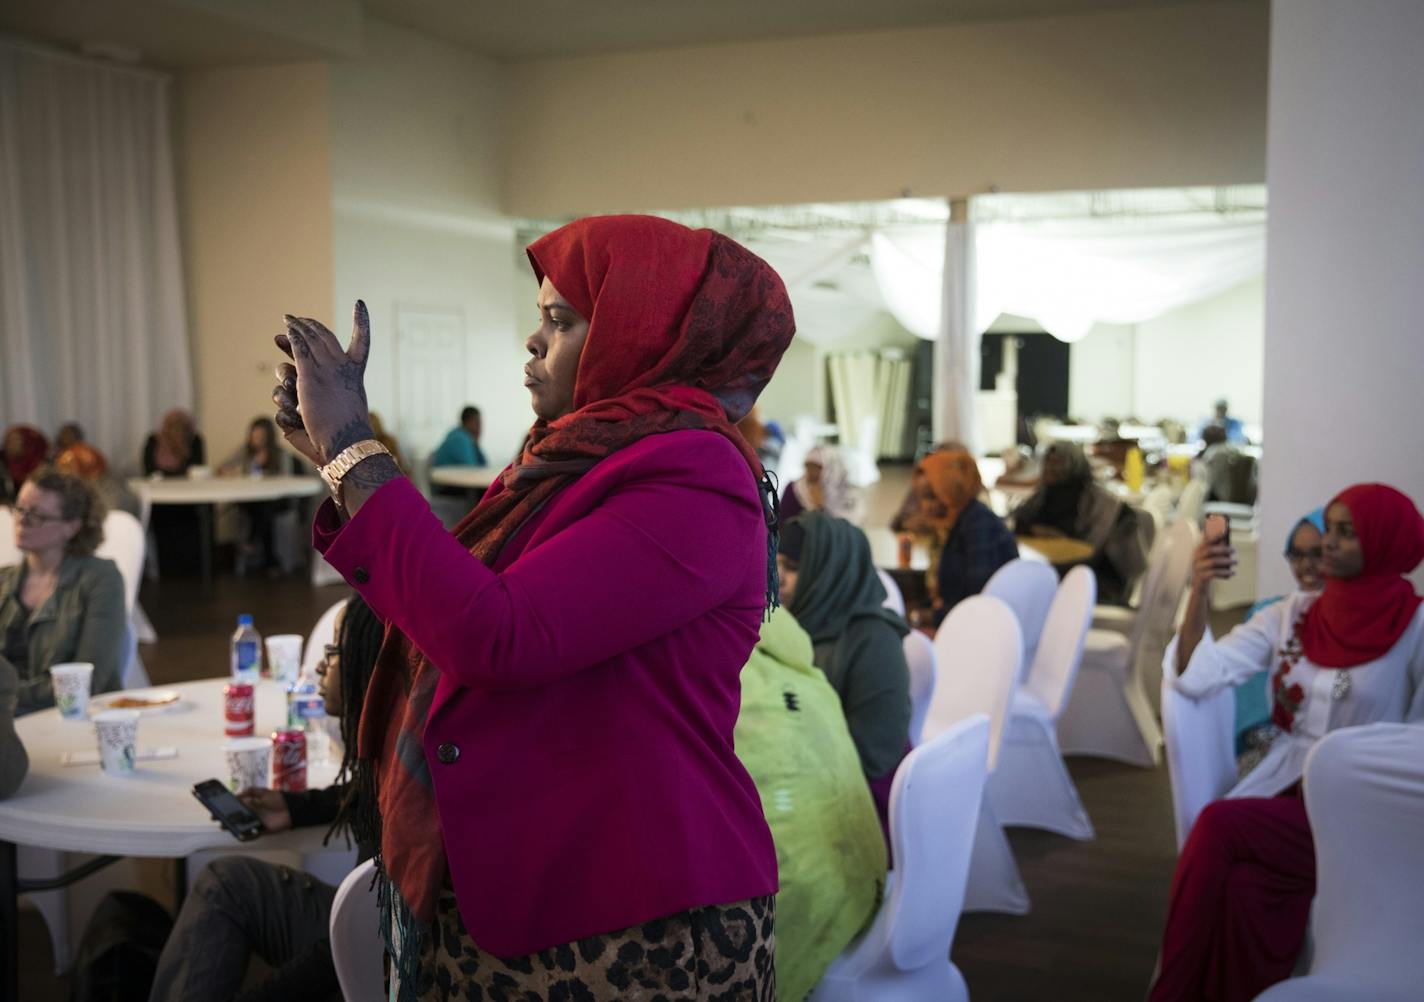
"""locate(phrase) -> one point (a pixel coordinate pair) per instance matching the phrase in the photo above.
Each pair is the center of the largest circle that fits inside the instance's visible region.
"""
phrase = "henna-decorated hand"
(321, 399)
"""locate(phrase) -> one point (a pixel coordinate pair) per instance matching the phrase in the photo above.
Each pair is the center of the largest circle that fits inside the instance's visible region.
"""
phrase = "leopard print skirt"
(721, 953)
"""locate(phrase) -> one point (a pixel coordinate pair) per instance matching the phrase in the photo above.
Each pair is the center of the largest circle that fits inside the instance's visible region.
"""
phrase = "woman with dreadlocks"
(239, 906)
(550, 720)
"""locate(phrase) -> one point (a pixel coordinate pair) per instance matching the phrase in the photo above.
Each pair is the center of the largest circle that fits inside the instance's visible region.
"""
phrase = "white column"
(957, 347)
(1344, 351)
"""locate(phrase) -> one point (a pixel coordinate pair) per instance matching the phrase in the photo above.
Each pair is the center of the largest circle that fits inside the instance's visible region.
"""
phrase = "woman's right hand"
(1214, 560)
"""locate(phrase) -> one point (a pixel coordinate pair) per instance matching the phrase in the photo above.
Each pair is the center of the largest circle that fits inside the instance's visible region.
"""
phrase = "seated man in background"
(461, 446)
(240, 906)
(830, 854)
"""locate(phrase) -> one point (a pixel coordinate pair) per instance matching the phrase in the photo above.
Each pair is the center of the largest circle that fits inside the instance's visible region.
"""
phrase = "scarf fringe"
(405, 948)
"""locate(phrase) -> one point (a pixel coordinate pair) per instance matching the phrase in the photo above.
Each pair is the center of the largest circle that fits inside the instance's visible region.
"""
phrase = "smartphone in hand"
(1217, 529)
(227, 810)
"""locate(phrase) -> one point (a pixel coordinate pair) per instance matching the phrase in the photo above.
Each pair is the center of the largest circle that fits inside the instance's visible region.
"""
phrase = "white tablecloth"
(473, 478)
(224, 490)
(153, 812)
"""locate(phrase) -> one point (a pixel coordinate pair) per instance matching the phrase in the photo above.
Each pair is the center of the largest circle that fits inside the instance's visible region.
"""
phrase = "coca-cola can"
(289, 760)
(239, 718)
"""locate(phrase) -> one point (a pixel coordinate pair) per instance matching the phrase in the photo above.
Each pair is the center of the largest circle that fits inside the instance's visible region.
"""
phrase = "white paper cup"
(284, 656)
(249, 763)
(117, 731)
(71, 688)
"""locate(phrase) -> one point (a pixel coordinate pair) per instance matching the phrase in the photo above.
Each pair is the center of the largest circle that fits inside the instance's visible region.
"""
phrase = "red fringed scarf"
(1356, 620)
(685, 329)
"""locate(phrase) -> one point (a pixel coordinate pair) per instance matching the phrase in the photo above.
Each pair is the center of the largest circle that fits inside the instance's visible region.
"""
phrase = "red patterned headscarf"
(1356, 620)
(24, 449)
(685, 329)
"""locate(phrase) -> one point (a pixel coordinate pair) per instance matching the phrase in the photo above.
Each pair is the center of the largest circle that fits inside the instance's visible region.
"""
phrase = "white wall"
(415, 175)
(1345, 255)
(1102, 377)
(1187, 359)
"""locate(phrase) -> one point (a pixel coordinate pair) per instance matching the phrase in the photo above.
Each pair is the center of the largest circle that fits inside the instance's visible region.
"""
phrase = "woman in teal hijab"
(828, 582)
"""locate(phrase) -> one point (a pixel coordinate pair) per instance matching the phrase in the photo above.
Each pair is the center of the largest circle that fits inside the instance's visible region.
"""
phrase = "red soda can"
(238, 715)
(289, 760)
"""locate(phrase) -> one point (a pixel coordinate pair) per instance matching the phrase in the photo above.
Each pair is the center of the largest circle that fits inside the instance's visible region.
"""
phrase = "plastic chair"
(1110, 712)
(894, 599)
(1364, 791)
(323, 633)
(1028, 587)
(977, 653)
(920, 656)
(1031, 786)
(1200, 735)
(9, 553)
(356, 944)
(934, 804)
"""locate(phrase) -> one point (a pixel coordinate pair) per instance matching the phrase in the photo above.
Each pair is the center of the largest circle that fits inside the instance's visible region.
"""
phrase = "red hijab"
(685, 328)
(29, 450)
(1356, 620)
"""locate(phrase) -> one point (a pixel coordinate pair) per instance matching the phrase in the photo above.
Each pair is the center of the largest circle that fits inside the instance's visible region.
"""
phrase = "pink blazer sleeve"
(645, 560)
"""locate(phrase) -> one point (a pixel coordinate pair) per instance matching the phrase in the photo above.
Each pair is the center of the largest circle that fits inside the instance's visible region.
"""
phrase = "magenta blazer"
(580, 740)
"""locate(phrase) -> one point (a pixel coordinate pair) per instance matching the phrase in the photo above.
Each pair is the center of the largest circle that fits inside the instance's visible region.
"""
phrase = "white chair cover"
(920, 656)
(9, 553)
(977, 653)
(1031, 786)
(1110, 712)
(323, 633)
(1192, 501)
(894, 600)
(1364, 790)
(356, 945)
(1027, 587)
(126, 544)
(904, 955)
(1200, 735)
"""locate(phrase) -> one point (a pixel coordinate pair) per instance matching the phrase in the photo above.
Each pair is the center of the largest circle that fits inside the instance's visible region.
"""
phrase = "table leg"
(9, 925)
(205, 544)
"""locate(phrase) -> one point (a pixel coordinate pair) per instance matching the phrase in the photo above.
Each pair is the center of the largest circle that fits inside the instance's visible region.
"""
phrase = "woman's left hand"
(327, 383)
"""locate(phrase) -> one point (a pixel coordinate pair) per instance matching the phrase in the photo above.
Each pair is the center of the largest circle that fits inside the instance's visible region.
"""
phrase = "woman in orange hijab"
(968, 541)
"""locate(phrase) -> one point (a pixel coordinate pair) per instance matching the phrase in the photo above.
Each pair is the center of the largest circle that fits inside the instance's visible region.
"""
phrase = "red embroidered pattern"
(1286, 699)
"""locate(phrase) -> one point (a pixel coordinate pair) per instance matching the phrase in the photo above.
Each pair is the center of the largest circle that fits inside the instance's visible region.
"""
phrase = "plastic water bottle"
(306, 710)
(246, 651)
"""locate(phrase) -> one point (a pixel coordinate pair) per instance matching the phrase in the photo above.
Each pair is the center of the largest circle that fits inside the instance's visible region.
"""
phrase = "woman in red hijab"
(25, 449)
(1350, 654)
(548, 732)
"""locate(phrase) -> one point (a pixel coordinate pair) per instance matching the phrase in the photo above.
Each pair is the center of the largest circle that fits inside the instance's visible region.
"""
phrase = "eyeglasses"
(33, 516)
(1296, 556)
(331, 652)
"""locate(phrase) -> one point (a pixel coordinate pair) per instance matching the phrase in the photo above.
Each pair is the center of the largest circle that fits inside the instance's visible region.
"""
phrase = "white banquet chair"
(977, 653)
(1110, 713)
(9, 553)
(904, 955)
(323, 633)
(356, 945)
(1200, 735)
(1192, 501)
(1027, 587)
(1364, 791)
(126, 544)
(894, 599)
(920, 656)
(1031, 786)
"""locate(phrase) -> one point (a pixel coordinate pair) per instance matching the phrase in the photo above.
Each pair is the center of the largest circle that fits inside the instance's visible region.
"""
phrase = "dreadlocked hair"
(359, 641)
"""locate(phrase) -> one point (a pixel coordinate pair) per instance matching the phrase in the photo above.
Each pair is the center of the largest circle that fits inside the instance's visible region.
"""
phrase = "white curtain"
(92, 323)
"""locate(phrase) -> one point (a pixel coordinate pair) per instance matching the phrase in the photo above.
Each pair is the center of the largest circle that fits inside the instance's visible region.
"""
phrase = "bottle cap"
(244, 620)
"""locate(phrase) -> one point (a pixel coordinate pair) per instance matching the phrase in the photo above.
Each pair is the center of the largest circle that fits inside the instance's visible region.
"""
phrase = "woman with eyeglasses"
(60, 603)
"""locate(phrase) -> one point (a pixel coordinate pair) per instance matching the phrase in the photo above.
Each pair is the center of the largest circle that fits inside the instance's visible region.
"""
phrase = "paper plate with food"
(145, 701)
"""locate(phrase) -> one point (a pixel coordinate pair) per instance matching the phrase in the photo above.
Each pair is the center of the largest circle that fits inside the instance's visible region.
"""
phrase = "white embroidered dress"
(1389, 689)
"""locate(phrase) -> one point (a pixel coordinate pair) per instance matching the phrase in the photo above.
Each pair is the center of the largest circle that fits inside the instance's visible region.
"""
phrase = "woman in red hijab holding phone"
(548, 732)
(1350, 654)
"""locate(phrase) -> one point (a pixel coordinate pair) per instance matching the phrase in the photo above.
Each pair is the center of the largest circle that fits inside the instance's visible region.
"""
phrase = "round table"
(470, 478)
(1060, 551)
(204, 492)
(151, 813)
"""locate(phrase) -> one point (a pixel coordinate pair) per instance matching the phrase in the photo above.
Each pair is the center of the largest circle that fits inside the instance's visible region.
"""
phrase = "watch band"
(333, 471)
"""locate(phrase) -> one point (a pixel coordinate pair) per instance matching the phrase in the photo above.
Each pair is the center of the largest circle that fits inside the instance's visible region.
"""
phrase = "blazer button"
(447, 753)
(361, 575)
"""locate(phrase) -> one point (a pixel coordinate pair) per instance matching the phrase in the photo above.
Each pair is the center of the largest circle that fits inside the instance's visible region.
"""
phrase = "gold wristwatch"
(333, 471)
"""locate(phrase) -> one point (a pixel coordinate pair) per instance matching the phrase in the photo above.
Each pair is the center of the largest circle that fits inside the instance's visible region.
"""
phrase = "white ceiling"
(196, 33)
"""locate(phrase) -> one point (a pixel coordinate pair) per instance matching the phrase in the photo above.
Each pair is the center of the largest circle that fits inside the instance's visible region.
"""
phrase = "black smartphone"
(227, 810)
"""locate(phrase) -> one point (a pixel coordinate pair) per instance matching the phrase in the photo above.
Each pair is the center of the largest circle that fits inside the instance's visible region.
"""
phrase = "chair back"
(1191, 501)
(1158, 504)
(920, 656)
(1200, 735)
(894, 599)
(977, 653)
(1027, 587)
(1060, 650)
(1167, 576)
(934, 811)
(323, 633)
(356, 945)
(9, 552)
(125, 543)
